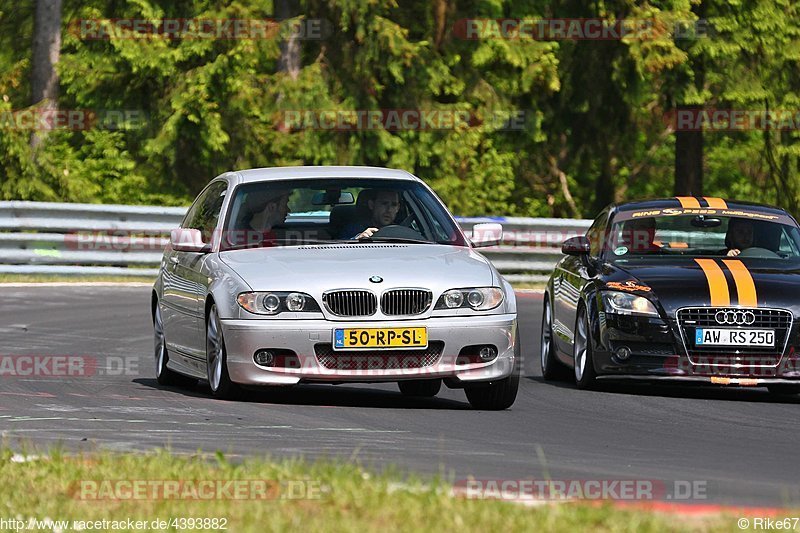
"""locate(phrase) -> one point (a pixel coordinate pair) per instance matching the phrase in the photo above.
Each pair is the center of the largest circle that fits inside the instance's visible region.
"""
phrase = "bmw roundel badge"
(376, 279)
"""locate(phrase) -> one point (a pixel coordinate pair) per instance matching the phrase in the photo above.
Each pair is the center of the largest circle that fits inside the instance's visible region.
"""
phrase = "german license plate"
(734, 337)
(359, 338)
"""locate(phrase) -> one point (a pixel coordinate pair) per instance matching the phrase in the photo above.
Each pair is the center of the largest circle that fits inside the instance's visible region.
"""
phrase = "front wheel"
(500, 394)
(552, 369)
(585, 375)
(217, 360)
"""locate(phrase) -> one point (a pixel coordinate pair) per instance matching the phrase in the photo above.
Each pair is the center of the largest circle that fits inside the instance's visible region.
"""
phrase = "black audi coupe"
(685, 288)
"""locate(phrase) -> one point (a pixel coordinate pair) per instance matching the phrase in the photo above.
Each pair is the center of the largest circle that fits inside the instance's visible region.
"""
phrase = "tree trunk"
(290, 47)
(440, 21)
(604, 186)
(689, 143)
(689, 161)
(46, 50)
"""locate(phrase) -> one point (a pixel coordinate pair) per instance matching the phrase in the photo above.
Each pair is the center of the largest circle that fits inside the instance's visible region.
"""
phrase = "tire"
(783, 389)
(500, 394)
(585, 375)
(217, 360)
(165, 376)
(552, 368)
(424, 388)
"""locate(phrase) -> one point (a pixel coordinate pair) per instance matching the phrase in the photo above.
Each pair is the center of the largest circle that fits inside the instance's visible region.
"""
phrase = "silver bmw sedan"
(279, 276)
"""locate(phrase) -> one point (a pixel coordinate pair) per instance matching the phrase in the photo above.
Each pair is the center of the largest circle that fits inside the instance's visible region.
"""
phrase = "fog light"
(623, 353)
(264, 358)
(487, 353)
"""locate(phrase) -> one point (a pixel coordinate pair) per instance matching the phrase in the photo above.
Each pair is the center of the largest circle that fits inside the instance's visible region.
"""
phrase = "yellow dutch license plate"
(359, 338)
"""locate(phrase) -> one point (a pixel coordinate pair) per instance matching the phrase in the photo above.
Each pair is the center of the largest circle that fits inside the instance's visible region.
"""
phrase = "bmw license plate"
(734, 337)
(360, 338)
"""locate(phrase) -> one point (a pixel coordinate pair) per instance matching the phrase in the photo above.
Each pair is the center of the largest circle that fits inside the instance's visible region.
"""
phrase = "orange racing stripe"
(715, 203)
(745, 287)
(688, 201)
(717, 284)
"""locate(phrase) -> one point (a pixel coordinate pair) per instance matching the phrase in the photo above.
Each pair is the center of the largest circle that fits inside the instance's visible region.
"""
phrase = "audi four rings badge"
(735, 317)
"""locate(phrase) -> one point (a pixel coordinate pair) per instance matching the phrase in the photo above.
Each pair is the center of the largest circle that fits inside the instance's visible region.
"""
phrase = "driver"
(384, 204)
(265, 211)
(638, 235)
(740, 235)
(272, 210)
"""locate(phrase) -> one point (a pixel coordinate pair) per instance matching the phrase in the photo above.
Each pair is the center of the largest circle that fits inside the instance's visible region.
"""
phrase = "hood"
(680, 281)
(317, 268)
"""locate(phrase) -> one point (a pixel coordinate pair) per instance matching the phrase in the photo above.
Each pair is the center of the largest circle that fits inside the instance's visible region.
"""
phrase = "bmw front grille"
(362, 302)
(405, 302)
(350, 302)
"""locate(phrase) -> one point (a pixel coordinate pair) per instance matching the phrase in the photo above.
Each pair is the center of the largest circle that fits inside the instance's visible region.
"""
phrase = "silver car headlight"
(477, 298)
(624, 303)
(273, 303)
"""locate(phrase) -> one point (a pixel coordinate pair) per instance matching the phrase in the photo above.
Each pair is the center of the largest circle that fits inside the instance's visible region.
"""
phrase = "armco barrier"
(92, 239)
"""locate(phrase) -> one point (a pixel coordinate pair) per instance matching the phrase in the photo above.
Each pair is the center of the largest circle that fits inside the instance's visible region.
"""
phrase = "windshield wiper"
(394, 239)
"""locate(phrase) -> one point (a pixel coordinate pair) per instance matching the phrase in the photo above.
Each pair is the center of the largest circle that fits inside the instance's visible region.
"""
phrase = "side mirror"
(576, 246)
(187, 240)
(487, 234)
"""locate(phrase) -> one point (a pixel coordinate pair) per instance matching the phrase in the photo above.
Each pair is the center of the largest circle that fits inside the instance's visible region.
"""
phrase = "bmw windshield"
(314, 211)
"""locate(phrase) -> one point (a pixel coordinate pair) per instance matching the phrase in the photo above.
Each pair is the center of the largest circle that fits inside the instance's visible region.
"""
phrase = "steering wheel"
(398, 231)
(758, 252)
(407, 221)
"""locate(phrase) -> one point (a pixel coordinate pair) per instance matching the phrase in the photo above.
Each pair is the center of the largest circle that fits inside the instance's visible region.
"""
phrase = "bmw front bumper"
(243, 338)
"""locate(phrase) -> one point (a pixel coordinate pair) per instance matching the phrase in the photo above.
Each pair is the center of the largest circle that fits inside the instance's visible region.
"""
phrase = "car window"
(597, 233)
(703, 236)
(337, 209)
(205, 211)
(788, 246)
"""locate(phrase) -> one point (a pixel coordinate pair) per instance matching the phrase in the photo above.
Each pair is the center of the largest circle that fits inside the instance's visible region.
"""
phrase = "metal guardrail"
(92, 239)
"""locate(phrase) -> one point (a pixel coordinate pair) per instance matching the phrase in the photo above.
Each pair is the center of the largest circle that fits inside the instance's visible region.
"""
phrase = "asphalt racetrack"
(735, 446)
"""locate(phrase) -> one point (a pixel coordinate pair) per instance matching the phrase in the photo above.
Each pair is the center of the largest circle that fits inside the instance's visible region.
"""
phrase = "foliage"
(594, 127)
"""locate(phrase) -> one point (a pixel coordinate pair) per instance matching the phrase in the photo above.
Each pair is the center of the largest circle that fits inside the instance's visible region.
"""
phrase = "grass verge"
(303, 496)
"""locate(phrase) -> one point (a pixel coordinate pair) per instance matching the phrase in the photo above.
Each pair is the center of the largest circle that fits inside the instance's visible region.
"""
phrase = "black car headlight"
(272, 303)
(477, 298)
(623, 303)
